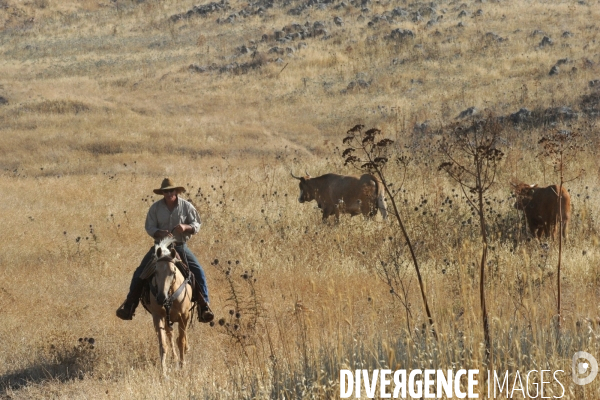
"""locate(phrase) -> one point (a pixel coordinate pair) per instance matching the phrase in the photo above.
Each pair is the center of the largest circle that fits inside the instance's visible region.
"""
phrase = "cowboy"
(174, 216)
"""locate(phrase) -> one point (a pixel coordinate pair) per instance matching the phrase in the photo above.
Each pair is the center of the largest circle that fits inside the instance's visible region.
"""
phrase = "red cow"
(542, 209)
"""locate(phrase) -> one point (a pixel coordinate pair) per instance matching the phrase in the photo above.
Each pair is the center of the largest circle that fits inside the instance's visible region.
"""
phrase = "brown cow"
(542, 209)
(348, 194)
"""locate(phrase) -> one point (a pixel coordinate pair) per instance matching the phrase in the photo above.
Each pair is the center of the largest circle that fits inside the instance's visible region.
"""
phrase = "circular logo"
(580, 367)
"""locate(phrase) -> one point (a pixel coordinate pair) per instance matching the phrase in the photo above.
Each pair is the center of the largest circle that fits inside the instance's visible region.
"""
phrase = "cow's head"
(524, 194)
(307, 193)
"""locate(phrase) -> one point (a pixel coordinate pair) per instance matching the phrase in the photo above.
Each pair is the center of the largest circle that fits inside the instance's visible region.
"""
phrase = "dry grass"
(102, 105)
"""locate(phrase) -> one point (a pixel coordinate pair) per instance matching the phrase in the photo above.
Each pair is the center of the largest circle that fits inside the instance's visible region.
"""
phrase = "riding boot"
(127, 309)
(205, 314)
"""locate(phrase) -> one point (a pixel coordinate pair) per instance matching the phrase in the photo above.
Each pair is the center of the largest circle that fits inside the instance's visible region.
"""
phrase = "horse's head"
(164, 276)
(165, 271)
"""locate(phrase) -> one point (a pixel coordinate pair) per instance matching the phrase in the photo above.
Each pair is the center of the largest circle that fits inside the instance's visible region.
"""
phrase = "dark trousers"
(135, 289)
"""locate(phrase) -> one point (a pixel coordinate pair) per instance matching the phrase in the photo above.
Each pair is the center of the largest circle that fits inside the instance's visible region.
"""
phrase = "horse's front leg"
(161, 333)
(182, 338)
(170, 340)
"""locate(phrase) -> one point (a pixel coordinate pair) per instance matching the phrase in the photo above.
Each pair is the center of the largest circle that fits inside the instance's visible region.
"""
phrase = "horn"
(294, 176)
(307, 174)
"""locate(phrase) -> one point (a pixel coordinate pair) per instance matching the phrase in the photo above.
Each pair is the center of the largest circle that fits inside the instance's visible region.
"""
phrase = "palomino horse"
(170, 300)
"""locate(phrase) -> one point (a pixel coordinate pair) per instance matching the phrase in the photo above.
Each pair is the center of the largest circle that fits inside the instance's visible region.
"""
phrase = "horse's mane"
(166, 241)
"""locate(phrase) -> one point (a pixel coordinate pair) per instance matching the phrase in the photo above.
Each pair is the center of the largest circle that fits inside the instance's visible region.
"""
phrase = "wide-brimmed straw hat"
(167, 184)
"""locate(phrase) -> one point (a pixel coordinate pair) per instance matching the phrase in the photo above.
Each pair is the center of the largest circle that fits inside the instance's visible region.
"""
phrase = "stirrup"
(126, 311)
(205, 314)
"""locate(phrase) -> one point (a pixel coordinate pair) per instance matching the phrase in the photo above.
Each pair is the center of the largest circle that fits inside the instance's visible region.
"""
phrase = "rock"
(402, 34)
(399, 12)
(554, 70)
(357, 84)
(521, 116)
(338, 21)
(197, 68)
(546, 41)
(427, 11)
(276, 50)
(564, 113)
(320, 32)
(469, 112)
(494, 37)
(422, 128)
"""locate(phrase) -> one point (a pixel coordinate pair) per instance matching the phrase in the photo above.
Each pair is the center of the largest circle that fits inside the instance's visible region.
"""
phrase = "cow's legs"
(550, 231)
(336, 211)
(327, 211)
(367, 209)
(533, 228)
(382, 206)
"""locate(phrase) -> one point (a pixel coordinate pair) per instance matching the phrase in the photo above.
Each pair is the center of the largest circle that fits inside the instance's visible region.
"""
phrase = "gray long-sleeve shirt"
(160, 218)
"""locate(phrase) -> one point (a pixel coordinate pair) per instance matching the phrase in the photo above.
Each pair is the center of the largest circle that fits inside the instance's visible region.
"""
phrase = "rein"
(169, 302)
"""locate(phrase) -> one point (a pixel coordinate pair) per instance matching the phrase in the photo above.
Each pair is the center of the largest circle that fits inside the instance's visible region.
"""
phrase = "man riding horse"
(174, 216)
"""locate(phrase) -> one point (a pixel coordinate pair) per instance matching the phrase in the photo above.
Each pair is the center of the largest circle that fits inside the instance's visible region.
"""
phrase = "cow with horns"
(346, 194)
(542, 208)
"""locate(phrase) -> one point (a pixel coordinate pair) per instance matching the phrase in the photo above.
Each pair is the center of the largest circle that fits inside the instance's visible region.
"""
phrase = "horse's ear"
(173, 254)
(159, 252)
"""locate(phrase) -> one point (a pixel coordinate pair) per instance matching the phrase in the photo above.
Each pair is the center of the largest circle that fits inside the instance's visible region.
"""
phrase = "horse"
(169, 300)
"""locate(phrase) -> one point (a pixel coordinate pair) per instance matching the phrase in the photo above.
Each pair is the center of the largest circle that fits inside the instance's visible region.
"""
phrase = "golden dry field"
(102, 99)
